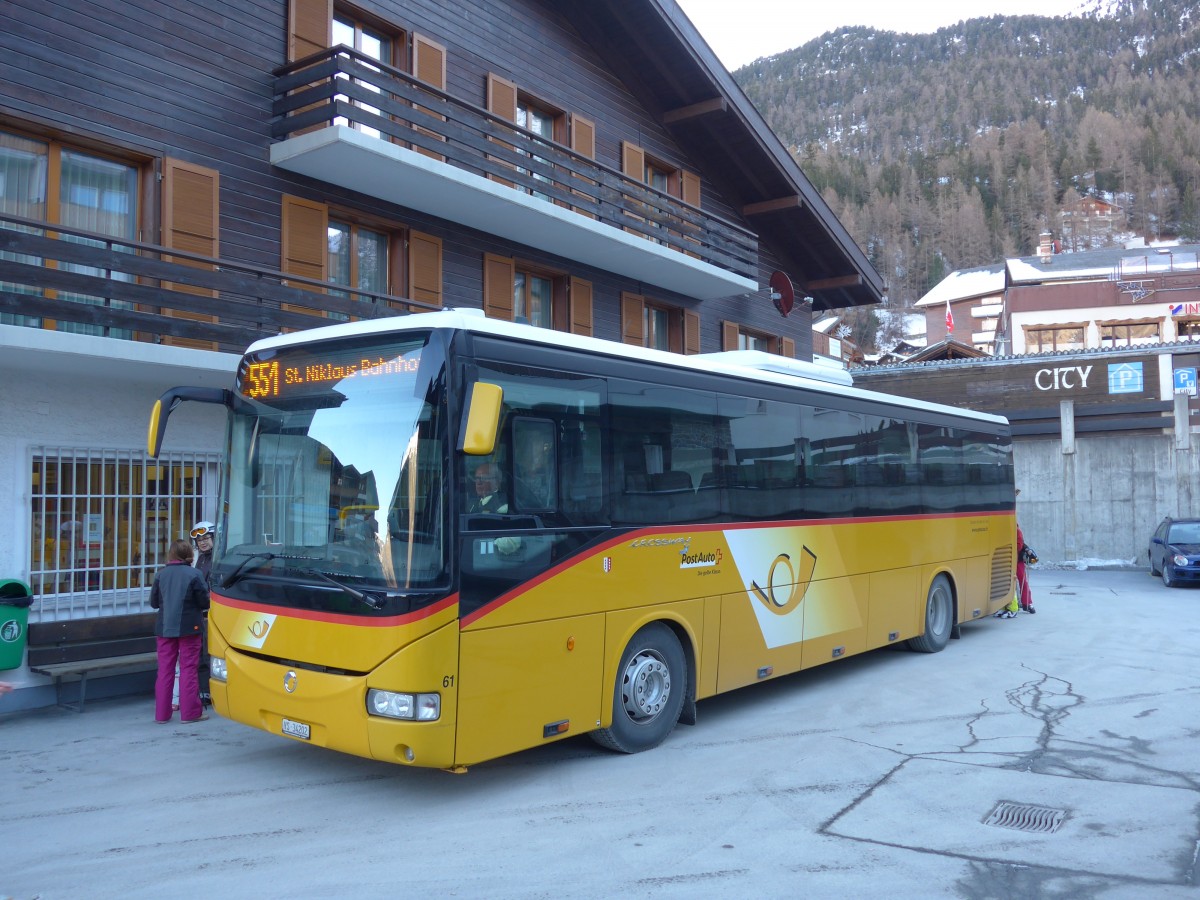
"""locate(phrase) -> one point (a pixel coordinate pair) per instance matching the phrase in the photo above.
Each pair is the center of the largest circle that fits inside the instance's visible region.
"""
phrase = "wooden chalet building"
(181, 177)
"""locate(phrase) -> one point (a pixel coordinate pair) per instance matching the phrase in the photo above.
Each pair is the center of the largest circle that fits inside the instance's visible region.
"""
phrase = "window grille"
(101, 521)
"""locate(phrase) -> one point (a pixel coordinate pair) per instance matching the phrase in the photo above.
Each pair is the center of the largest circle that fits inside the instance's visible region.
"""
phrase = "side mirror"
(482, 419)
(165, 405)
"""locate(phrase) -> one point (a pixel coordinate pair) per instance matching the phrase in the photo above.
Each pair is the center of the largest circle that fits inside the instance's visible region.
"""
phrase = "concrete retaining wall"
(1103, 501)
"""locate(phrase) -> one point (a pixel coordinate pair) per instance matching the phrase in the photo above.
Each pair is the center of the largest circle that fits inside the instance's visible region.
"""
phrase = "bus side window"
(581, 472)
(535, 465)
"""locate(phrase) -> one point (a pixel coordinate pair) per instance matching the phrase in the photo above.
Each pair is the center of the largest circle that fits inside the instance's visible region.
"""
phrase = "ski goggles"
(202, 531)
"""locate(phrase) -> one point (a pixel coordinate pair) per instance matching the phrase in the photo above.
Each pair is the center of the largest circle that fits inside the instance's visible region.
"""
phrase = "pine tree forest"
(958, 149)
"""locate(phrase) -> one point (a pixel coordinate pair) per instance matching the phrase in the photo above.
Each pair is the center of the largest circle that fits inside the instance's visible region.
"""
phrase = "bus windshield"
(335, 496)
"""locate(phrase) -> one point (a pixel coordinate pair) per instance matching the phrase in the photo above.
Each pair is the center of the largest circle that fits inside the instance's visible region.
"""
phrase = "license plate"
(297, 729)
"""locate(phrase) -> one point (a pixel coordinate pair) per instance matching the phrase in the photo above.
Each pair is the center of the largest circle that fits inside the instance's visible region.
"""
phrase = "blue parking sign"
(1125, 378)
(1185, 381)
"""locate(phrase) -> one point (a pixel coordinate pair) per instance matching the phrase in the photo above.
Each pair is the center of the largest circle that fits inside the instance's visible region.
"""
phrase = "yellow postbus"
(444, 538)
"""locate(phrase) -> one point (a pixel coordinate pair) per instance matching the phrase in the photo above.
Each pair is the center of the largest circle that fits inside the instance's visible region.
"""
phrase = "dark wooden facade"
(230, 246)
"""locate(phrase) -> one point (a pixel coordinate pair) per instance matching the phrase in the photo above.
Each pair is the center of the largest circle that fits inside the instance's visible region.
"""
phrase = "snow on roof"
(966, 284)
(1120, 262)
(823, 326)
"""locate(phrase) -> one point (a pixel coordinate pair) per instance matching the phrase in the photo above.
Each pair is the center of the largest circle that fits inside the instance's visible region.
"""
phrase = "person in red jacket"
(180, 595)
(1025, 555)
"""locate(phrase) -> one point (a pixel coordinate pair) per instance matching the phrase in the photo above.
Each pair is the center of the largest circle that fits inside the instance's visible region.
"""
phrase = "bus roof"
(752, 365)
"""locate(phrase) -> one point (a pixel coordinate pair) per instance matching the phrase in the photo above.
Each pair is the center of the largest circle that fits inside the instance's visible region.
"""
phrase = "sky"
(767, 27)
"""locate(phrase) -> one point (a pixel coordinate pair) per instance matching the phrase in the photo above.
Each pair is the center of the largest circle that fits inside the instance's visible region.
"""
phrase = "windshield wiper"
(371, 601)
(265, 556)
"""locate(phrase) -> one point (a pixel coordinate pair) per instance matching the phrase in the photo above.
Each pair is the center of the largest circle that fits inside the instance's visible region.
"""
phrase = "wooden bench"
(82, 647)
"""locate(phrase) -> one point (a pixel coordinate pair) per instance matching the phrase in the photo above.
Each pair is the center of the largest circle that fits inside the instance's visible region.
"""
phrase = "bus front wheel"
(649, 693)
(939, 618)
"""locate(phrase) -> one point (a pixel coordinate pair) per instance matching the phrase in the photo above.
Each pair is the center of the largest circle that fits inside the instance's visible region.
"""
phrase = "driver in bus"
(488, 497)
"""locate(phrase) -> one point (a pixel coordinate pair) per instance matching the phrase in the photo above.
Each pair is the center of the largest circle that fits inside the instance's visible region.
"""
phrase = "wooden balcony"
(344, 119)
(73, 280)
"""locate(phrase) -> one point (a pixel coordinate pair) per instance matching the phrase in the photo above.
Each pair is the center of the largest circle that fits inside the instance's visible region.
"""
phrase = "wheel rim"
(939, 611)
(646, 686)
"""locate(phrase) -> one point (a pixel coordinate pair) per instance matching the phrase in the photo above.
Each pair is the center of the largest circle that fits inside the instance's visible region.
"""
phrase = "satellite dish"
(782, 293)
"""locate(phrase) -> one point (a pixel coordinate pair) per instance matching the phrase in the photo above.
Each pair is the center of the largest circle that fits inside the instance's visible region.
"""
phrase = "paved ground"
(870, 777)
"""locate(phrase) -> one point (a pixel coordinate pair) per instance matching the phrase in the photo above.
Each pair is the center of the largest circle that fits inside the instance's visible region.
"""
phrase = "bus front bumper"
(327, 710)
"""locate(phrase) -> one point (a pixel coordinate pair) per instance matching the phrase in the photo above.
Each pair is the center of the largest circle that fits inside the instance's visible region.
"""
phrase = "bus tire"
(649, 692)
(939, 618)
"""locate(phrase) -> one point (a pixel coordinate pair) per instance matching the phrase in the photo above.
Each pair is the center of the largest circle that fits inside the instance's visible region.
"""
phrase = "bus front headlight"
(216, 668)
(397, 705)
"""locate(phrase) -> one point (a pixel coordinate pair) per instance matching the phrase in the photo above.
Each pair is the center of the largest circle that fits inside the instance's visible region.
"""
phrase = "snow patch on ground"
(1082, 565)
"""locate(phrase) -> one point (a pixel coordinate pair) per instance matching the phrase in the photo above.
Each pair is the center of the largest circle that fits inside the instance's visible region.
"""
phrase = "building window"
(1046, 340)
(662, 177)
(545, 122)
(101, 523)
(1129, 334)
(61, 185)
(651, 323)
(658, 331)
(533, 298)
(372, 42)
(735, 336)
(358, 258)
(750, 341)
(1188, 330)
(517, 291)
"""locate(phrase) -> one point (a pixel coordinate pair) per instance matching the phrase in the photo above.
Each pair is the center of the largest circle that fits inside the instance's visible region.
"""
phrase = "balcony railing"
(341, 86)
(66, 278)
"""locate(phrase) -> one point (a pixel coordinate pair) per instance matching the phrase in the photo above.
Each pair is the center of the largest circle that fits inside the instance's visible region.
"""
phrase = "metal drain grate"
(1024, 817)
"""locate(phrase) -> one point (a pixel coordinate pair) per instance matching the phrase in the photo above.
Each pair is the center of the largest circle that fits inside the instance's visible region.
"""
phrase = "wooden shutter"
(633, 330)
(633, 161)
(788, 347)
(191, 222)
(691, 332)
(729, 335)
(583, 141)
(502, 101)
(310, 27)
(583, 136)
(425, 268)
(304, 243)
(691, 188)
(501, 97)
(633, 166)
(429, 66)
(581, 307)
(310, 30)
(499, 277)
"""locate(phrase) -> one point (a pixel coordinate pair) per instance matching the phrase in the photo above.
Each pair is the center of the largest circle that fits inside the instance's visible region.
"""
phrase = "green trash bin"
(15, 600)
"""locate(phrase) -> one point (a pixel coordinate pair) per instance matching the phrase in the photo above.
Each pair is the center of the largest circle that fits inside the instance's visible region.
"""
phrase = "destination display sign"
(307, 371)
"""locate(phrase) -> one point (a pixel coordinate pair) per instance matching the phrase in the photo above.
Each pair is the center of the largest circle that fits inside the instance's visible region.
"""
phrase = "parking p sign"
(1185, 382)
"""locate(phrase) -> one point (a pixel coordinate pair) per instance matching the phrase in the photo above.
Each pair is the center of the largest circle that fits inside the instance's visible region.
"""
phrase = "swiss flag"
(949, 318)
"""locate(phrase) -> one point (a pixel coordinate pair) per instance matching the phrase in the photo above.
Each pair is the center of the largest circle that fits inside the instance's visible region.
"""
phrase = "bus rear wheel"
(939, 618)
(649, 692)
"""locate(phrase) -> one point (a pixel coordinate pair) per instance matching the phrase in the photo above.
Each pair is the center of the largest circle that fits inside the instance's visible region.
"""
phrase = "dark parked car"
(1175, 551)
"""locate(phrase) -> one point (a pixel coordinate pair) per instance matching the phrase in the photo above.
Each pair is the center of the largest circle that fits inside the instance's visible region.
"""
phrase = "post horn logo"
(289, 681)
(259, 629)
(796, 587)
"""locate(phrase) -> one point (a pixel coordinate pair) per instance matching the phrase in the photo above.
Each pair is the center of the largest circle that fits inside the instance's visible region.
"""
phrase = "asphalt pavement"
(1051, 755)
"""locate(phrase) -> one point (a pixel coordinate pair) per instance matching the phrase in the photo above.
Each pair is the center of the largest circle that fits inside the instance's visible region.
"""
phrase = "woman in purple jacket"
(180, 595)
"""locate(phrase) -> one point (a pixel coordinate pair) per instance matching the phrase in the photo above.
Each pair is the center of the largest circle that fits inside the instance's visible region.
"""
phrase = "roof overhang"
(658, 53)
